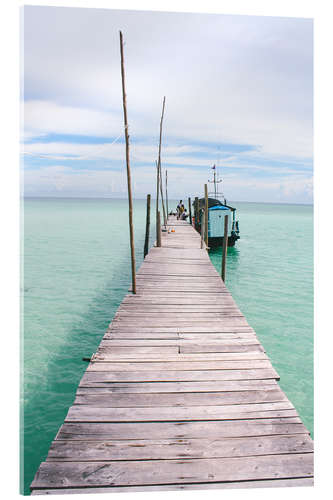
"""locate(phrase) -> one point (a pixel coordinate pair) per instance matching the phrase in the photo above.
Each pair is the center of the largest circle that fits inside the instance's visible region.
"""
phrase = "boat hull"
(217, 241)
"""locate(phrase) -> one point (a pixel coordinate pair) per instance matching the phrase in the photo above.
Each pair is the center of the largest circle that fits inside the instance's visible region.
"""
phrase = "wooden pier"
(180, 394)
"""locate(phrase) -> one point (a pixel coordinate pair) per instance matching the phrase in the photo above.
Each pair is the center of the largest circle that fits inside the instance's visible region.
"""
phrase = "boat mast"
(215, 182)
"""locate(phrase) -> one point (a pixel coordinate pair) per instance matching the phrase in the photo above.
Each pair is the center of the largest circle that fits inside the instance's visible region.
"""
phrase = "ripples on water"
(77, 270)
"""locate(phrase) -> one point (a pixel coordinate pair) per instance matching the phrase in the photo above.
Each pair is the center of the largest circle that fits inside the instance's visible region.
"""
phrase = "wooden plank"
(205, 356)
(249, 346)
(234, 321)
(178, 311)
(79, 474)
(101, 380)
(178, 365)
(137, 350)
(139, 353)
(103, 386)
(83, 413)
(211, 337)
(133, 328)
(157, 296)
(106, 399)
(167, 449)
(181, 265)
(183, 375)
(173, 347)
(181, 330)
(181, 429)
(185, 306)
(226, 320)
(179, 315)
(170, 303)
(180, 270)
(115, 335)
(275, 483)
(183, 337)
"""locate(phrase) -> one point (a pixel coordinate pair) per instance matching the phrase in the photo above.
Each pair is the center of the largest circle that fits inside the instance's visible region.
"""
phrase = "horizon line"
(153, 199)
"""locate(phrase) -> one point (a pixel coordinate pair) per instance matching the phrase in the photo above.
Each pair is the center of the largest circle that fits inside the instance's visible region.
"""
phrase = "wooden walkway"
(180, 394)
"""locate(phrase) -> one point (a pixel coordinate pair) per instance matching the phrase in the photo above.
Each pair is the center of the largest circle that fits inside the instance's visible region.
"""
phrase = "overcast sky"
(238, 94)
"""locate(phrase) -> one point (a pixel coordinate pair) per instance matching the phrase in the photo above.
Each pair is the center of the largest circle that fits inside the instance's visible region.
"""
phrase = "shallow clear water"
(77, 270)
(270, 275)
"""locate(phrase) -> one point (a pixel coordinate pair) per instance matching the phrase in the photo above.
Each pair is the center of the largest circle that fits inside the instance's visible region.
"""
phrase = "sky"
(239, 94)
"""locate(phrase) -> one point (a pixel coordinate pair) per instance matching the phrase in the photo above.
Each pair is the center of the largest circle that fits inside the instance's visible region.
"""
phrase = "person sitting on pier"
(180, 209)
(183, 215)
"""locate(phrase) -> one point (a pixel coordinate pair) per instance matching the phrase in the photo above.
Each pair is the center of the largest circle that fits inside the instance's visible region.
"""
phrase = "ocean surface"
(76, 271)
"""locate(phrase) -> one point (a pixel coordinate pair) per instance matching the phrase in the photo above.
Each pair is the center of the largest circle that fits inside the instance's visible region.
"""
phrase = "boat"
(218, 208)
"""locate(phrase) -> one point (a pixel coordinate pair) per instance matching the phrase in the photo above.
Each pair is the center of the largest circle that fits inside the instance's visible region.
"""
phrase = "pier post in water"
(145, 251)
(196, 213)
(206, 215)
(158, 230)
(166, 192)
(225, 247)
(129, 186)
(202, 229)
(189, 211)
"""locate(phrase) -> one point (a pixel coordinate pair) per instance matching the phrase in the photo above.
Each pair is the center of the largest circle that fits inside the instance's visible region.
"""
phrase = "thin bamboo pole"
(160, 191)
(206, 215)
(162, 198)
(166, 192)
(225, 247)
(129, 186)
(189, 211)
(159, 162)
(145, 250)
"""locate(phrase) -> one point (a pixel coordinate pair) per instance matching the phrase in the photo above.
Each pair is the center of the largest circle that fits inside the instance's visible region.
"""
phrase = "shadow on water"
(45, 411)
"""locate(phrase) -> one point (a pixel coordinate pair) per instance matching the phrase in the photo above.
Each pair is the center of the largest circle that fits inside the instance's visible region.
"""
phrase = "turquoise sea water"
(77, 270)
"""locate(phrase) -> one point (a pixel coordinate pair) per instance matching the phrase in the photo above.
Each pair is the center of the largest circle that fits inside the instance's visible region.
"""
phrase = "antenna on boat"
(216, 181)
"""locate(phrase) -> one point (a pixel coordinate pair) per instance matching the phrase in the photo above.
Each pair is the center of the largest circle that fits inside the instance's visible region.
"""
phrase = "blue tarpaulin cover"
(218, 207)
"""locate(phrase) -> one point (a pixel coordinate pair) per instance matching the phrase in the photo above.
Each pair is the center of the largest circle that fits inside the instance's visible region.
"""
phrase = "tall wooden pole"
(189, 211)
(129, 186)
(157, 194)
(196, 212)
(159, 163)
(202, 239)
(158, 230)
(166, 192)
(206, 215)
(145, 250)
(225, 247)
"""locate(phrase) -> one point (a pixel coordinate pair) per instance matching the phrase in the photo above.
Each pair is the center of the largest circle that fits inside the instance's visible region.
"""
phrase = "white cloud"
(238, 79)
(47, 117)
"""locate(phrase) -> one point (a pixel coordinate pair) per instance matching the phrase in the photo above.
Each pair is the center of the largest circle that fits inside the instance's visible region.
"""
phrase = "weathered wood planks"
(80, 474)
(275, 483)
(180, 393)
(180, 430)
(182, 375)
(146, 449)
